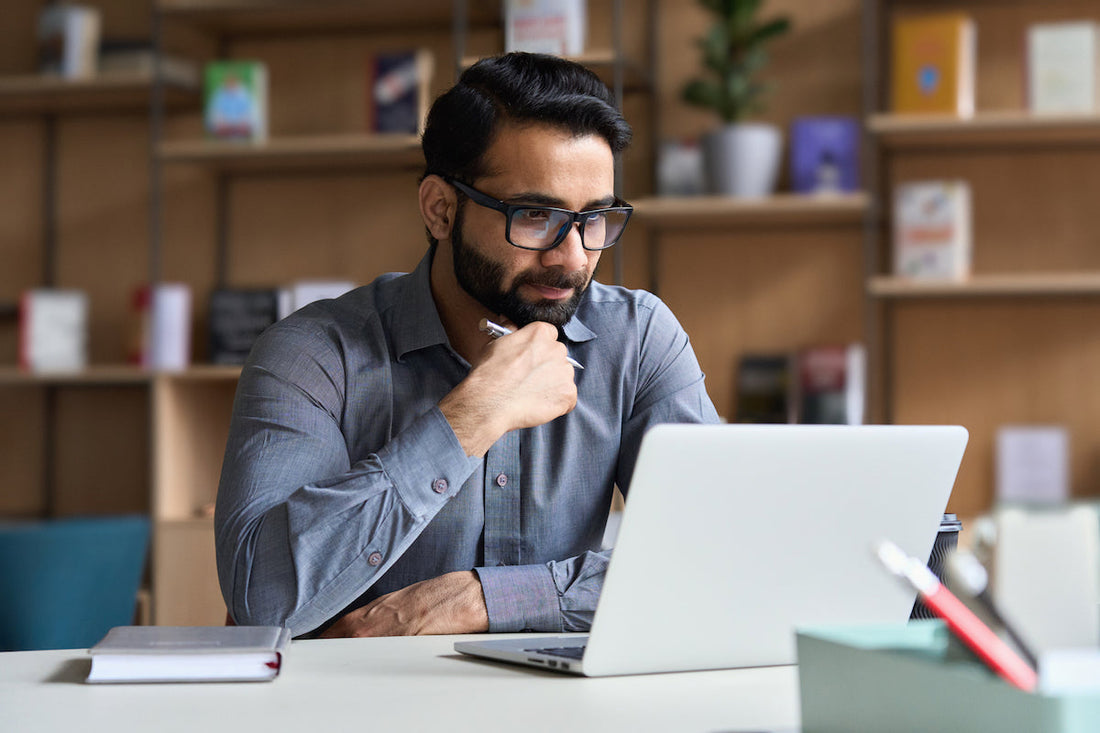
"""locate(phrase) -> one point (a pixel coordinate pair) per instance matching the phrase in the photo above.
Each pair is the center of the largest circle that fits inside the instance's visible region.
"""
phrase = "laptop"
(733, 536)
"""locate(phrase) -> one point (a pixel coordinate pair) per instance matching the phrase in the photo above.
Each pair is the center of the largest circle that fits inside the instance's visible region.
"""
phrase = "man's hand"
(450, 604)
(522, 380)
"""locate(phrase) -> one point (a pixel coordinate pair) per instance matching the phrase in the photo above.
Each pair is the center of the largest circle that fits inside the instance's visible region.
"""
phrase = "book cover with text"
(933, 64)
(235, 100)
(1063, 67)
(932, 230)
(824, 155)
(399, 91)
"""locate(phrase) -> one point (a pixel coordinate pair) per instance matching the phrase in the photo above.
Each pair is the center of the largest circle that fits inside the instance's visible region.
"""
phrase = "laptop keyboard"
(569, 652)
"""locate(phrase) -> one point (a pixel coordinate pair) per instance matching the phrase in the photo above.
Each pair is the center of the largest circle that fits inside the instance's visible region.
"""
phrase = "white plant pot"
(743, 159)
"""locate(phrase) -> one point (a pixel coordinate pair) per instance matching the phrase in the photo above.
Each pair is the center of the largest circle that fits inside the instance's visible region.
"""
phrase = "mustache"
(561, 280)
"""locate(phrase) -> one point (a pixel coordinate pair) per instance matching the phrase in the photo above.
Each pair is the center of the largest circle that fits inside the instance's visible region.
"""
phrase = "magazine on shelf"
(830, 385)
(545, 26)
(237, 318)
(932, 230)
(764, 389)
(933, 61)
(400, 90)
(235, 100)
(1063, 67)
(53, 330)
(824, 155)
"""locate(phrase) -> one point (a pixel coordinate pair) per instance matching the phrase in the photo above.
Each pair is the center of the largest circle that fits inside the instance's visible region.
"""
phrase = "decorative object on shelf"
(824, 155)
(236, 100)
(162, 338)
(764, 389)
(140, 58)
(680, 168)
(932, 230)
(1063, 67)
(830, 384)
(237, 318)
(742, 158)
(545, 26)
(1032, 464)
(68, 39)
(400, 89)
(53, 330)
(933, 62)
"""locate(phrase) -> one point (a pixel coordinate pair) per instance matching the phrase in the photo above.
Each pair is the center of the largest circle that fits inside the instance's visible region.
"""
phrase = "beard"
(483, 279)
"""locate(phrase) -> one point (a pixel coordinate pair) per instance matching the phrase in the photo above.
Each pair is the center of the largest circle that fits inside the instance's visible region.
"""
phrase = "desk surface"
(394, 684)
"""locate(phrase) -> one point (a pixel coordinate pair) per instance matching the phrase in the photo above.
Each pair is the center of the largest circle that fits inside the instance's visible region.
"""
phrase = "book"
(1063, 67)
(235, 100)
(400, 87)
(556, 27)
(237, 318)
(933, 60)
(764, 389)
(188, 654)
(53, 330)
(68, 40)
(1032, 464)
(303, 292)
(932, 230)
(162, 338)
(824, 154)
(830, 386)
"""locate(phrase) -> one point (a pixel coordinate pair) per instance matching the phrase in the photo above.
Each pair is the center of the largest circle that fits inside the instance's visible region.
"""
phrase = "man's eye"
(535, 215)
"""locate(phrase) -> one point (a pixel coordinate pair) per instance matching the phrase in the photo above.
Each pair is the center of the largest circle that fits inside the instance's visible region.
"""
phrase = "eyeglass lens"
(543, 228)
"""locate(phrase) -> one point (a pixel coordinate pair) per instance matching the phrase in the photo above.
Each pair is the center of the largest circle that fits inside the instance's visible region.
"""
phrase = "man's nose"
(570, 255)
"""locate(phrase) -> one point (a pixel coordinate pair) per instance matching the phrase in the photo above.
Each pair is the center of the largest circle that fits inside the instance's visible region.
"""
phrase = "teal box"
(917, 677)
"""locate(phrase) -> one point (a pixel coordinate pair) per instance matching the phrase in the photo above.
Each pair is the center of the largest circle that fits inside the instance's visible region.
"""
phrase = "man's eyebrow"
(542, 199)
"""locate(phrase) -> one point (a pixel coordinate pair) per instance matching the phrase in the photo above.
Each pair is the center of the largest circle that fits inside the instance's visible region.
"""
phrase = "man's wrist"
(473, 421)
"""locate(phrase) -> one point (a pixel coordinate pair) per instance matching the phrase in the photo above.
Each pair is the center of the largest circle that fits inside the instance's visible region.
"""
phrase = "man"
(390, 468)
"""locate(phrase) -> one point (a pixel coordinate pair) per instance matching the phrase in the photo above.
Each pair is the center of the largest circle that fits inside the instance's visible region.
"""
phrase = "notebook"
(735, 535)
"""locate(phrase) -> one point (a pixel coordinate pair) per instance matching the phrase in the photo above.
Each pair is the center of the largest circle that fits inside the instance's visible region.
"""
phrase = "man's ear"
(438, 204)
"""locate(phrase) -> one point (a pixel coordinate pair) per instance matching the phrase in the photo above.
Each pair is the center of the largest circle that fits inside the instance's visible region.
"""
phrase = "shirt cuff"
(520, 598)
(426, 463)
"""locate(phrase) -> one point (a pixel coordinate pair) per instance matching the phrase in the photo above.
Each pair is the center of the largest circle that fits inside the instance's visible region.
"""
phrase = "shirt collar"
(416, 320)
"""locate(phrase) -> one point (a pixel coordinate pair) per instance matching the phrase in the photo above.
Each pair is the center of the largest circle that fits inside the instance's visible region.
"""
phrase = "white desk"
(394, 684)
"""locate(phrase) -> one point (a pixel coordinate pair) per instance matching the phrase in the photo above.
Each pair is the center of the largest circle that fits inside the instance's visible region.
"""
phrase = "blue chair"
(65, 582)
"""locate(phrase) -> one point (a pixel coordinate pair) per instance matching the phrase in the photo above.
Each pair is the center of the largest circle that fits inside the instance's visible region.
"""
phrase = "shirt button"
(439, 485)
(374, 559)
(502, 480)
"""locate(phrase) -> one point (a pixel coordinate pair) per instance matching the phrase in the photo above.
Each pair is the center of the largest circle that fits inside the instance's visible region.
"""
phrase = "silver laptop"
(735, 535)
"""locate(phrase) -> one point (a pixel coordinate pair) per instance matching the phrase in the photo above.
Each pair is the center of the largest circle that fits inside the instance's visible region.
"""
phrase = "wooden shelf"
(93, 376)
(265, 17)
(1006, 285)
(306, 151)
(986, 129)
(205, 373)
(779, 210)
(39, 93)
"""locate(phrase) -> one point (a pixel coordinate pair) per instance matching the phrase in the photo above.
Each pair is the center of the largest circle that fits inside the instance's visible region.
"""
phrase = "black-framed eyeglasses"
(545, 227)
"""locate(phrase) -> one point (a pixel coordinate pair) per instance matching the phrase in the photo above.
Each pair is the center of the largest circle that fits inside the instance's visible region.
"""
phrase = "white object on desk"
(1033, 464)
(1047, 573)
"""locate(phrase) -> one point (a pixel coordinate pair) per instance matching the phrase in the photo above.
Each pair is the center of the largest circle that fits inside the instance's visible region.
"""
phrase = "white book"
(545, 26)
(932, 230)
(188, 654)
(53, 332)
(1062, 67)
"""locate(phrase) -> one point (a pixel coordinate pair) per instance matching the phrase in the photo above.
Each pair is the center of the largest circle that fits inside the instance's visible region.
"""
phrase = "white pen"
(496, 331)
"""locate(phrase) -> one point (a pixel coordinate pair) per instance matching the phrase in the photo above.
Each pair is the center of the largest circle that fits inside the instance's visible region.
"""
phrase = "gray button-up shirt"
(343, 481)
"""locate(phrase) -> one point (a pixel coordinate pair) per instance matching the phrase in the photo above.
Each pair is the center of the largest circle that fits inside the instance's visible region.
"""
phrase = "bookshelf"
(1014, 342)
(38, 94)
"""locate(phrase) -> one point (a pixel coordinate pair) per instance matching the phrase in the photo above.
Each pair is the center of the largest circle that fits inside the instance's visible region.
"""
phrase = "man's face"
(542, 166)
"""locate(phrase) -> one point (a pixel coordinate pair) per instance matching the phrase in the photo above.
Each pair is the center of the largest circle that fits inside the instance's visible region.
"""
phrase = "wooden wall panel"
(987, 363)
(1033, 209)
(22, 456)
(761, 290)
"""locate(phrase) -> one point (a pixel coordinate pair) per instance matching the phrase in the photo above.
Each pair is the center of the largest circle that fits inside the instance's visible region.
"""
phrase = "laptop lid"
(735, 535)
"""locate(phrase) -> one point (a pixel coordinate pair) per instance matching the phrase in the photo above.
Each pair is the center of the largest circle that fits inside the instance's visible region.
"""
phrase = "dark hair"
(516, 87)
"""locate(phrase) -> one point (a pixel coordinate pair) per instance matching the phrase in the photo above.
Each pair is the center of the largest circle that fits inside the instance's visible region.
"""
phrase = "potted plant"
(741, 158)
